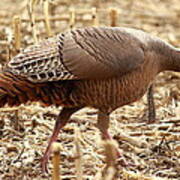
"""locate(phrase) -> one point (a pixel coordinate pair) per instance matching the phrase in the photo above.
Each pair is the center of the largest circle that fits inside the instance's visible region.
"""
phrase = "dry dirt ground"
(153, 148)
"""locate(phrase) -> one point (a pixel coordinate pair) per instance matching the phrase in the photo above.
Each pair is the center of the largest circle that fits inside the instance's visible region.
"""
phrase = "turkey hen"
(101, 67)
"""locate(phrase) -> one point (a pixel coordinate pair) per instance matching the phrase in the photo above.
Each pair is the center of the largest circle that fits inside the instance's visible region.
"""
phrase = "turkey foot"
(103, 125)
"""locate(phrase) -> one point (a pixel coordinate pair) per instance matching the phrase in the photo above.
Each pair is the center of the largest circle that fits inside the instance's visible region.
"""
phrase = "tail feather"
(11, 90)
(15, 90)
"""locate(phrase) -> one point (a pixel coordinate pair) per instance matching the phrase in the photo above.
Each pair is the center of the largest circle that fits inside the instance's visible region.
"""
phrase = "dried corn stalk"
(17, 32)
(72, 18)
(56, 147)
(113, 13)
(31, 5)
(95, 20)
(78, 161)
(46, 14)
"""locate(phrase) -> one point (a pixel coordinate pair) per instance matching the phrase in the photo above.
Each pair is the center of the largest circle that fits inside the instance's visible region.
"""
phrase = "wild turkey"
(103, 67)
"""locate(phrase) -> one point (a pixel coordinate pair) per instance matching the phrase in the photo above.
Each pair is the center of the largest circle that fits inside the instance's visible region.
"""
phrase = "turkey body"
(98, 67)
(105, 94)
(104, 68)
(109, 94)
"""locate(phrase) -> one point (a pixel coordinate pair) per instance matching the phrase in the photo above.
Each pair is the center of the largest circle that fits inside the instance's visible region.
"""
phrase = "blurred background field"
(24, 130)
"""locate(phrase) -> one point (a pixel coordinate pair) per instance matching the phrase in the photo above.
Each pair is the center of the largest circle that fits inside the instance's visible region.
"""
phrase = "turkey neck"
(167, 55)
(175, 59)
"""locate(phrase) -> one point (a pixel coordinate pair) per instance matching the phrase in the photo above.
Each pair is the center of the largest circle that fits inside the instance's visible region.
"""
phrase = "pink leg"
(103, 125)
(61, 121)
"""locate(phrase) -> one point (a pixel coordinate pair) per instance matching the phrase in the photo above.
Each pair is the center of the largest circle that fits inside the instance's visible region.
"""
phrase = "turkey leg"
(61, 121)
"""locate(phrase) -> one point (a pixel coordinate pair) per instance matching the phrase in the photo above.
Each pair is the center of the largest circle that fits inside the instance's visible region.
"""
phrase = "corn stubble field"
(154, 149)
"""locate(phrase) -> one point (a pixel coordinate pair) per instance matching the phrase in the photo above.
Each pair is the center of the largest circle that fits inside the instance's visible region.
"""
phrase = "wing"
(41, 62)
(89, 53)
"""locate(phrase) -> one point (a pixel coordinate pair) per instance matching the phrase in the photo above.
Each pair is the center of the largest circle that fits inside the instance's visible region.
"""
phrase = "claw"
(44, 161)
(122, 160)
(44, 165)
